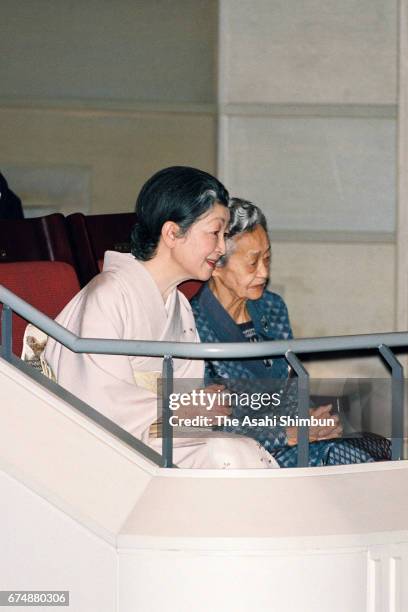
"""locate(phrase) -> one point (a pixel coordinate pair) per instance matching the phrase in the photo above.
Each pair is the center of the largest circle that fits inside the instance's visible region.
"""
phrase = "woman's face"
(247, 269)
(201, 247)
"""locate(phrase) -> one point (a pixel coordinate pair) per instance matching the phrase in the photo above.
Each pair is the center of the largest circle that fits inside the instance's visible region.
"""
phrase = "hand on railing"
(318, 432)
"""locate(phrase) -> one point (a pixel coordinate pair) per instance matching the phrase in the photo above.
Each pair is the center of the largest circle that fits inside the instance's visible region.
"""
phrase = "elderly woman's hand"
(318, 432)
(209, 407)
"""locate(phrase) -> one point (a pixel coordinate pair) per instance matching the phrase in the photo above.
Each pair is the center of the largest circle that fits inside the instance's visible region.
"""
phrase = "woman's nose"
(221, 247)
(263, 269)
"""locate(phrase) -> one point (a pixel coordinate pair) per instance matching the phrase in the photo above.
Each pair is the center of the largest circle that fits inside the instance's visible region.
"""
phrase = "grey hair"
(244, 217)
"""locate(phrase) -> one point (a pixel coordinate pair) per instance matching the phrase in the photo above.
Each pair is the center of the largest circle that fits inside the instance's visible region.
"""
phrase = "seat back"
(190, 288)
(46, 285)
(92, 235)
(37, 239)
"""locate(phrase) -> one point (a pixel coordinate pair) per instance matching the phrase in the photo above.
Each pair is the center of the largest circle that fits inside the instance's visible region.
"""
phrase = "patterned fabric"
(270, 321)
(34, 343)
(249, 332)
(365, 449)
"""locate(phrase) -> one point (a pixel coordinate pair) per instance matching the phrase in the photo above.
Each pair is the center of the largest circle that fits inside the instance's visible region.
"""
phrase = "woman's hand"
(209, 407)
(318, 432)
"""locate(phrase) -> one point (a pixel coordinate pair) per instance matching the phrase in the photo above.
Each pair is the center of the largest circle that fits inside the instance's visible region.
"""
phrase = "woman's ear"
(170, 232)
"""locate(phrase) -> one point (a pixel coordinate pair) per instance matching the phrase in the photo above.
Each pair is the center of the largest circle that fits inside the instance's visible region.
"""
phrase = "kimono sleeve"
(105, 382)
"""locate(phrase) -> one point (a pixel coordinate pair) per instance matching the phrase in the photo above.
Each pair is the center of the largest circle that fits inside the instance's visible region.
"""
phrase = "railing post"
(167, 430)
(6, 332)
(397, 402)
(303, 407)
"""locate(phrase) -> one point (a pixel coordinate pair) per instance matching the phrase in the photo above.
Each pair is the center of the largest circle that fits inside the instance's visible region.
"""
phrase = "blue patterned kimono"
(270, 320)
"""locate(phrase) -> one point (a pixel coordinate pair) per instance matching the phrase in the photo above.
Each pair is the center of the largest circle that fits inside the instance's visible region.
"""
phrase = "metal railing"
(289, 349)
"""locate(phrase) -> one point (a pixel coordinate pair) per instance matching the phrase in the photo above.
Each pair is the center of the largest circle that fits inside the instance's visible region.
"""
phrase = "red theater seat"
(92, 235)
(38, 239)
(46, 285)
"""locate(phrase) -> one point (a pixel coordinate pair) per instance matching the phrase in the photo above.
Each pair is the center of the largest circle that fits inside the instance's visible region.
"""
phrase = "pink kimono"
(124, 302)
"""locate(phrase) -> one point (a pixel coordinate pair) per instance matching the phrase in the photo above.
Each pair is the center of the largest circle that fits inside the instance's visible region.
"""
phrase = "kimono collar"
(226, 330)
(164, 318)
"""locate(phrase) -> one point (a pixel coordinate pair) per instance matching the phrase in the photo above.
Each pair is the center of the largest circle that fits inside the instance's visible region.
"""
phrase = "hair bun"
(142, 242)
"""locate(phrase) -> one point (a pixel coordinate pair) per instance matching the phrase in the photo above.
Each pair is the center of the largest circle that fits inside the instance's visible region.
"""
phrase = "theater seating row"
(77, 240)
(48, 259)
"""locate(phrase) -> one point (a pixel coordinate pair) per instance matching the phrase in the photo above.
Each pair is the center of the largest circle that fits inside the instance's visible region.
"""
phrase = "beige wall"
(308, 130)
(143, 50)
(316, 52)
(338, 288)
(120, 150)
(103, 94)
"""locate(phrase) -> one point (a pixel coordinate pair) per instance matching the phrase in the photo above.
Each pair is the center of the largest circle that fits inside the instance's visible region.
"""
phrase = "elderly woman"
(182, 216)
(235, 306)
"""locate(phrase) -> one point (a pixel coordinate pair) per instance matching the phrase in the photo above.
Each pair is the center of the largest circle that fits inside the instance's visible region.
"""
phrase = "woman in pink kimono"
(182, 216)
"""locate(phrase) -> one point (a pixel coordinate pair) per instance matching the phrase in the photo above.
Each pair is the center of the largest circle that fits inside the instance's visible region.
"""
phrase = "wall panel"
(144, 50)
(311, 173)
(119, 150)
(319, 51)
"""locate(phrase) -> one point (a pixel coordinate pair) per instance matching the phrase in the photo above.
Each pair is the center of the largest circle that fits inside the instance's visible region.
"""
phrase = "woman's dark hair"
(180, 194)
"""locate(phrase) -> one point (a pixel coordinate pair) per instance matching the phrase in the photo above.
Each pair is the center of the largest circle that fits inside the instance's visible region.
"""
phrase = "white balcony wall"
(82, 512)
(44, 548)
